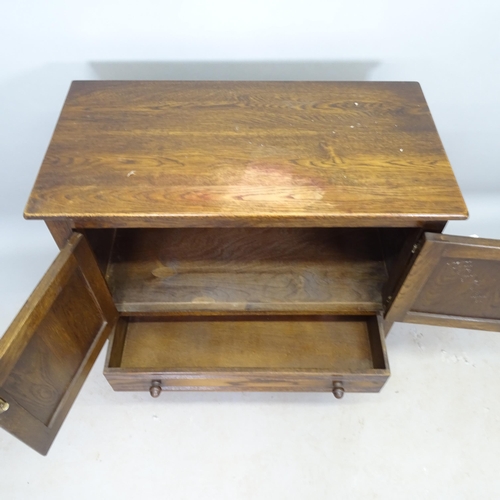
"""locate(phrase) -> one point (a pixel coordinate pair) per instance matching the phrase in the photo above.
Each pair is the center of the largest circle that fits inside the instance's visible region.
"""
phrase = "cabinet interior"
(250, 308)
(248, 270)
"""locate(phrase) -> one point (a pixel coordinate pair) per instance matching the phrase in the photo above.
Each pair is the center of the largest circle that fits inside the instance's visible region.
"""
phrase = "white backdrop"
(451, 48)
(432, 432)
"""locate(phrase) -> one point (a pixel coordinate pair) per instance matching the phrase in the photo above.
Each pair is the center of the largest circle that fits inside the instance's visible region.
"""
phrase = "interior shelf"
(238, 270)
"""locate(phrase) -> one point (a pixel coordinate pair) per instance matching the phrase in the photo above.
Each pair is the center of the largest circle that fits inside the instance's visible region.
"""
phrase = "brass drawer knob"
(155, 389)
(4, 406)
(338, 390)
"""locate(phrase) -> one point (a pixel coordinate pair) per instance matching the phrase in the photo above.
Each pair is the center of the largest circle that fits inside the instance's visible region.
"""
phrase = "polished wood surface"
(142, 154)
(454, 281)
(294, 270)
(48, 350)
(249, 353)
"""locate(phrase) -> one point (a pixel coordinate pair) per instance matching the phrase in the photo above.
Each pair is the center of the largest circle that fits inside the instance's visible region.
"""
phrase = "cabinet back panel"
(297, 270)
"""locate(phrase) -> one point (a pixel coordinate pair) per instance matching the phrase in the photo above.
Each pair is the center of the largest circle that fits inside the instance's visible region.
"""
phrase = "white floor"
(433, 431)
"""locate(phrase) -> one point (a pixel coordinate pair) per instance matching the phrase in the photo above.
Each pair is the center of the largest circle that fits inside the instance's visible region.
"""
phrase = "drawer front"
(272, 382)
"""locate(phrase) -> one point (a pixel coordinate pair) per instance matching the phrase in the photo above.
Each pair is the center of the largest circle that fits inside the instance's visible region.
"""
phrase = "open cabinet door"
(48, 351)
(454, 281)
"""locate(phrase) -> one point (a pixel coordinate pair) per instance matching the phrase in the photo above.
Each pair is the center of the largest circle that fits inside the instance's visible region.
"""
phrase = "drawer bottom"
(248, 353)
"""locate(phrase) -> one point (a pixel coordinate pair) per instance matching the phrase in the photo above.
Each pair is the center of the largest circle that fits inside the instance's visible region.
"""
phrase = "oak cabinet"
(238, 236)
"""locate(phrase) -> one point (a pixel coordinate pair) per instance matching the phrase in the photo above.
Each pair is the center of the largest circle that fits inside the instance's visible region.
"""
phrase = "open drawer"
(248, 353)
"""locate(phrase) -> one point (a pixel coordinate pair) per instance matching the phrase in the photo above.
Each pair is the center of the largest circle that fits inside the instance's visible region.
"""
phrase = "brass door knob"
(4, 406)
(338, 390)
(155, 389)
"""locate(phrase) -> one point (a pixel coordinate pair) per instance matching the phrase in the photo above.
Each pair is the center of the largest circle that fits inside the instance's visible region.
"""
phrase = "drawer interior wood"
(228, 270)
(241, 351)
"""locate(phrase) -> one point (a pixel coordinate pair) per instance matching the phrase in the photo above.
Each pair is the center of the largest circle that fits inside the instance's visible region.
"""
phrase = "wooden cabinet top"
(172, 153)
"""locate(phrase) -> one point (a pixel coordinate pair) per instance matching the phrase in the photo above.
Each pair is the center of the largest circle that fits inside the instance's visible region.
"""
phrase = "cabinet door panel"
(47, 352)
(454, 281)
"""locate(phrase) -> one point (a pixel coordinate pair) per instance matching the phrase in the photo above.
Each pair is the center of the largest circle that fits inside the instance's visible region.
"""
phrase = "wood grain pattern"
(453, 282)
(51, 359)
(135, 154)
(249, 353)
(50, 347)
(101, 243)
(61, 231)
(447, 320)
(247, 269)
(251, 381)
